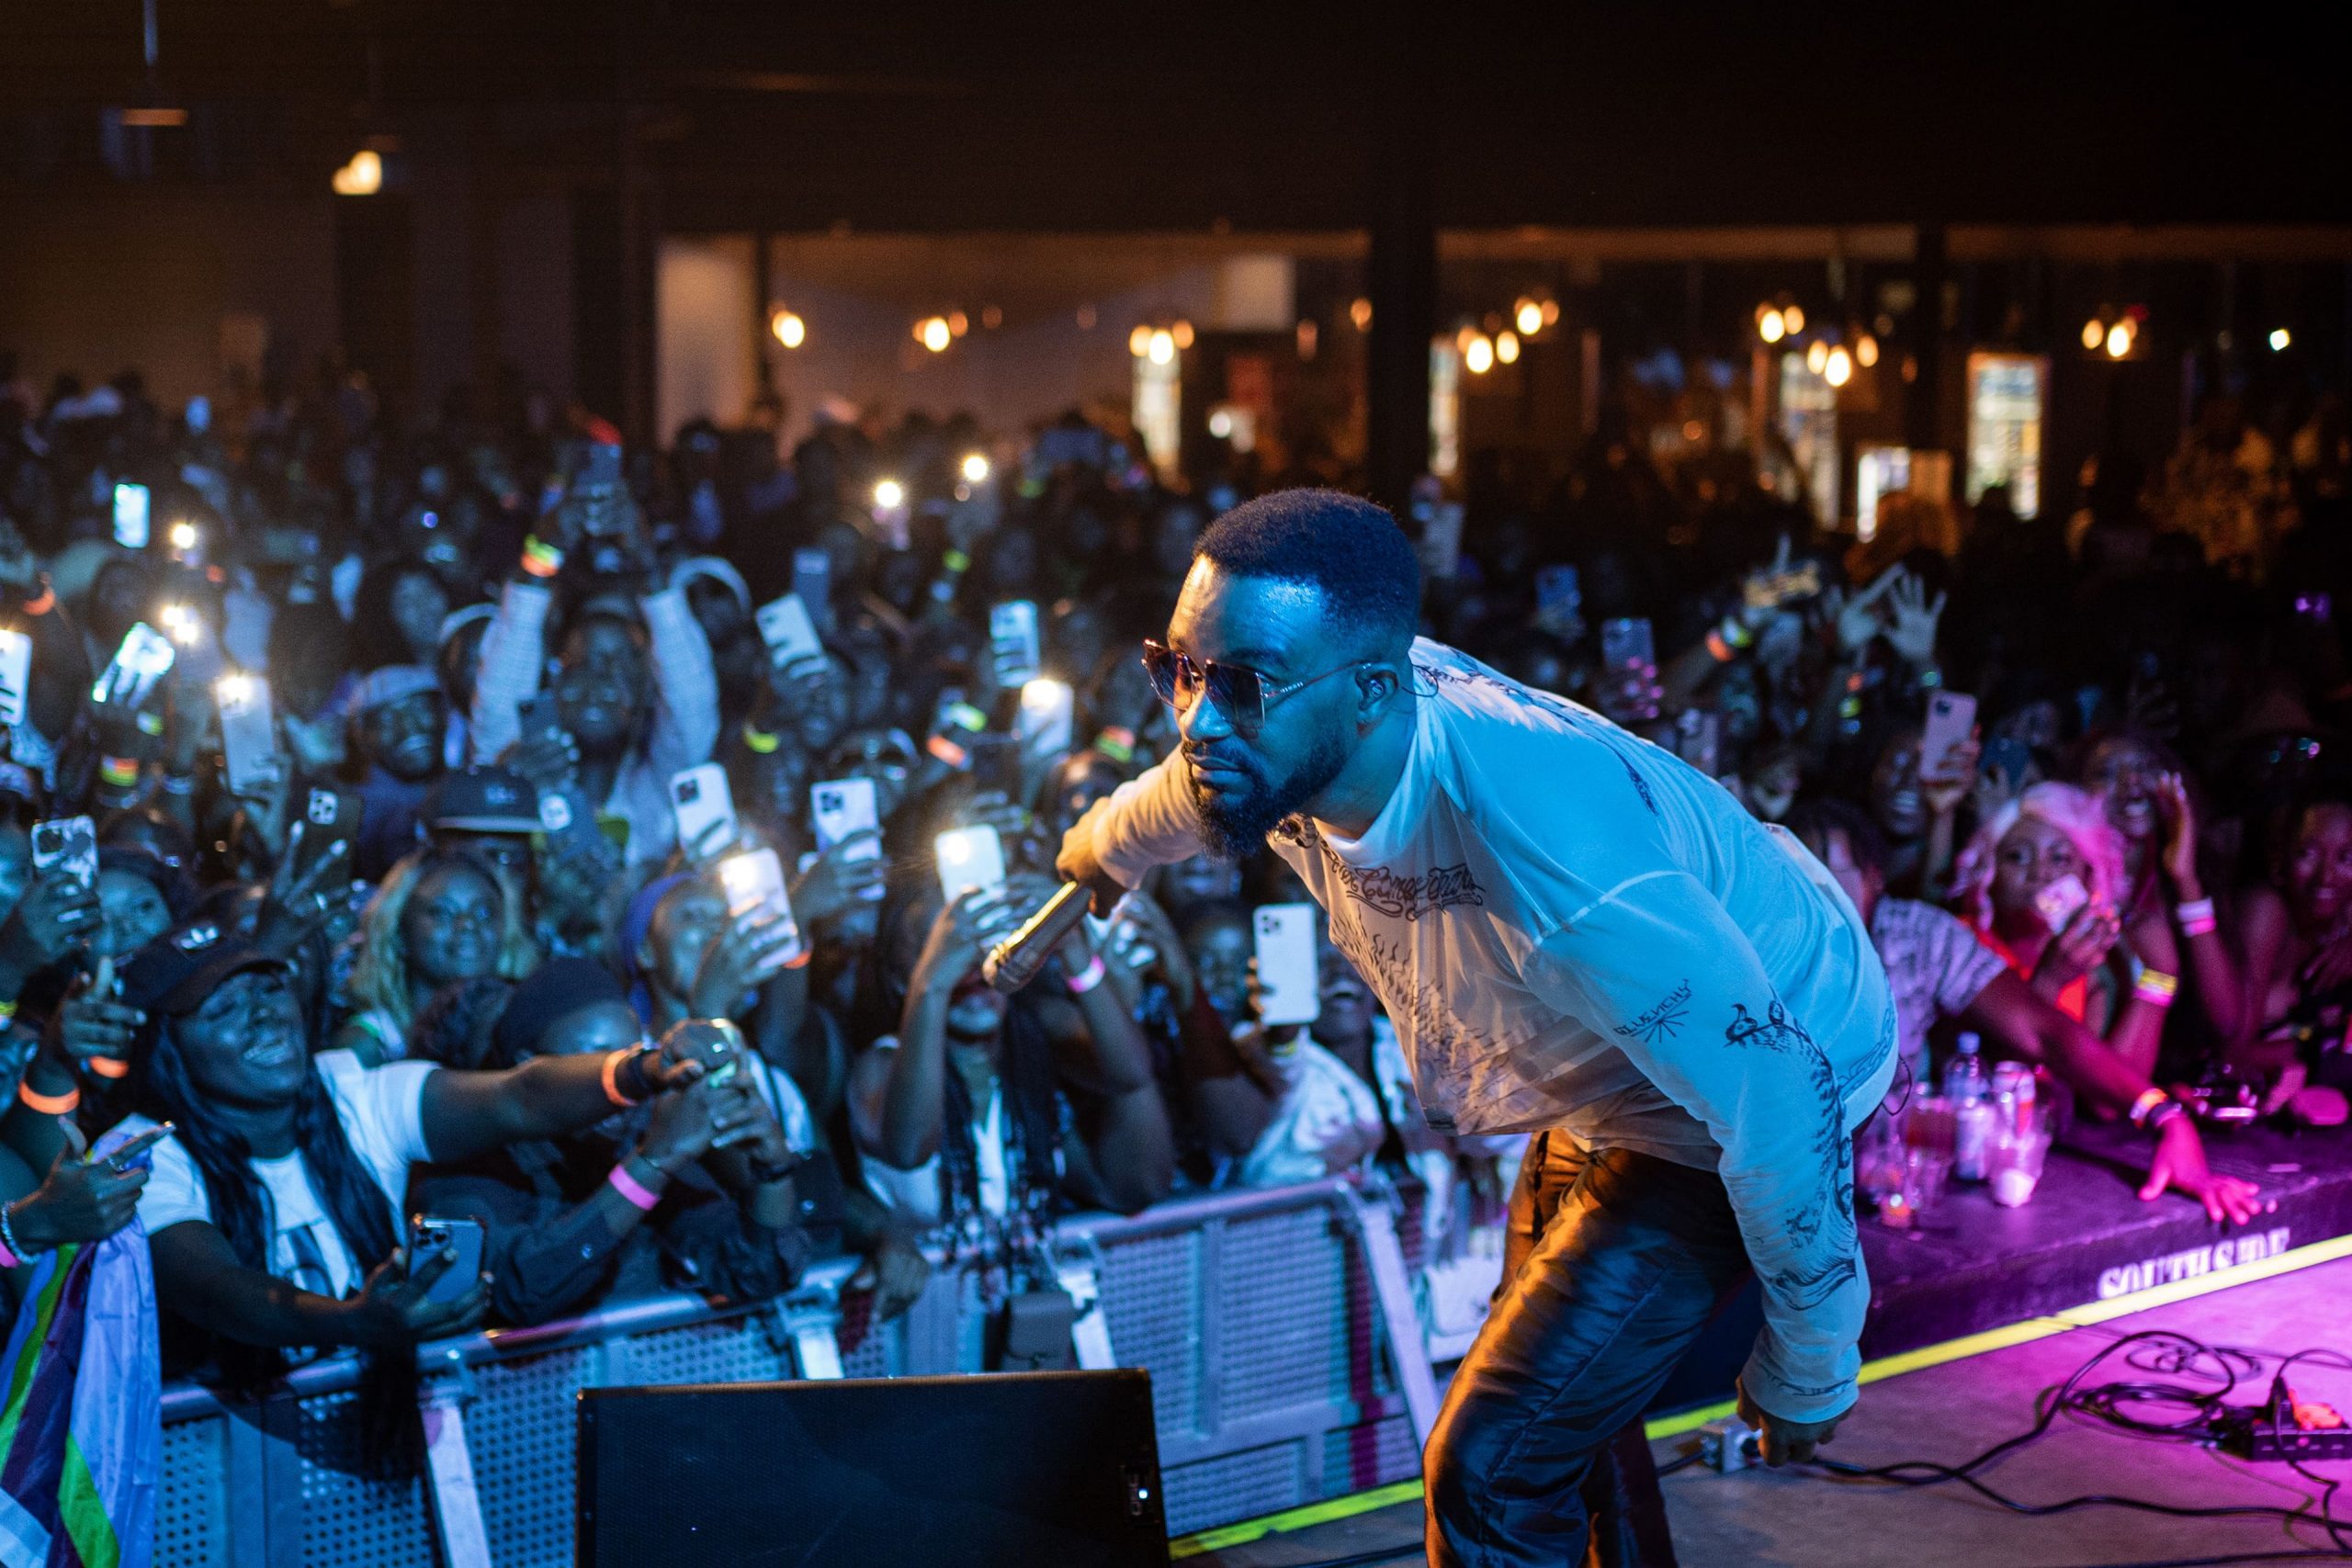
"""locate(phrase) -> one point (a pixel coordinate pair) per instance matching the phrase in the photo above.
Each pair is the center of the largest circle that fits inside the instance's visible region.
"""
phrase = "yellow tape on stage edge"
(2019, 1333)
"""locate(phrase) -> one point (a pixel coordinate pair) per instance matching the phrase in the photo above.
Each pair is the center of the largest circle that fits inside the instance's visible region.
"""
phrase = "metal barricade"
(1286, 1356)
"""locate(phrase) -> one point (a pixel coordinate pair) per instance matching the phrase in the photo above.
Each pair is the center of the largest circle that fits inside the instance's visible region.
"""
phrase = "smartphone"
(130, 514)
(1559, 598)
(139, 1153)
(969, 857)
(997, 764)
(754, 885)
(705, 808)
(1048, 716)
(812, 583)
(329, 816)
(69, 844)
(790, 635)
(840, 808)
(1290, 989)
(1952, 719)
(248, 733)
(2008, 757)
(426, 1237)
(2060, 901)
(537, 717)
(715, 1042)
(599, 484)
(1627, 641)
(1698, 739)
(15, 668)
(1013, 638)
(144, 658)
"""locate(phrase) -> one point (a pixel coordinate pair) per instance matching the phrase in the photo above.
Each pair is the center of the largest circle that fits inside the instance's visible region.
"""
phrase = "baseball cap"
(484, 800)
(176, 972)
(390, 683)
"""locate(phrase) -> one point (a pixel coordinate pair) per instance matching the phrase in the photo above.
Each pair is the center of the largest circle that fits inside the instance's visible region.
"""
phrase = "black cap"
(175, 972)
(484, 800)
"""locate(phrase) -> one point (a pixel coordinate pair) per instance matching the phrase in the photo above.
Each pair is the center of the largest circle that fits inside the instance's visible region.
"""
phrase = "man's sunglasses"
(1241, 694)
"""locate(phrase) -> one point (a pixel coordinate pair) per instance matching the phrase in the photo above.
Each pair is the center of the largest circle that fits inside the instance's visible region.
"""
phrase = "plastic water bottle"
(1973, 1116)
(1964, 1074)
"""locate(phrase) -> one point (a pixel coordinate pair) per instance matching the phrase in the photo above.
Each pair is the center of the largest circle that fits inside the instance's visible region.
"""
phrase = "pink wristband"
(1088, 978)
(640, 1195)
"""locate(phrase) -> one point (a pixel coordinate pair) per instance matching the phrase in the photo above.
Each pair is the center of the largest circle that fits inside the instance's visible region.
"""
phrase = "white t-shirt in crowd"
(1576, 930)
(382, 1112)
(916, 1193)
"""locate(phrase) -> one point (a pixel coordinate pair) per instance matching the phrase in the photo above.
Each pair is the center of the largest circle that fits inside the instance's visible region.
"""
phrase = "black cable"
(2167, 1352)
(1684, 1463)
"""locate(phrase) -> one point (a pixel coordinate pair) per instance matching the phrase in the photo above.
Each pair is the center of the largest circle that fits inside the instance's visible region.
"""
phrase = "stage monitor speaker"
(1045, 1468)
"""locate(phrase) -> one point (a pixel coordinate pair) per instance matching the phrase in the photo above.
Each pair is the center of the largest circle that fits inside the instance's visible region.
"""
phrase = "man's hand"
(1077, 864)
(2180, 1165)
(901, 1272)
(1787, 1442)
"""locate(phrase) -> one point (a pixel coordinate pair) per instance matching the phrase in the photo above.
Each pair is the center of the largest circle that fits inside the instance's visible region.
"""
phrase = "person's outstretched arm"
(1147, 821)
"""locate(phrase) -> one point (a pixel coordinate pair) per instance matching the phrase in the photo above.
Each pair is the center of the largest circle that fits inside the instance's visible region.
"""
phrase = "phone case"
(427, 1239)
(70, 844)
(969, 857)
(1951, 718)
(841, 807)
(705, 808)
(2059, 902)
(248, 731)
(790, 635)
(754, 882)
(1287, 982)
(1048, 716)
(144, 658)
(1012, 636)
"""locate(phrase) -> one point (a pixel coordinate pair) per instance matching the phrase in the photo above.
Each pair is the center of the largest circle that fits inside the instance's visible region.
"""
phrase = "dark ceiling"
(1123, 116)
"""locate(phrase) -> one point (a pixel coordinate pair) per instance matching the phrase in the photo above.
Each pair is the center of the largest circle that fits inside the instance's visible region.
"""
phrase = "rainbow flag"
(81, 1433)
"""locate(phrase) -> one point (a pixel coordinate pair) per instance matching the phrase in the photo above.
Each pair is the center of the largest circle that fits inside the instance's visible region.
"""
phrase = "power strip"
(2272, 1432)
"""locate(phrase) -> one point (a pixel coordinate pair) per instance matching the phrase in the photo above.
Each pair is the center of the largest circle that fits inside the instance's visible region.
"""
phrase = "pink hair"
(2074, 812)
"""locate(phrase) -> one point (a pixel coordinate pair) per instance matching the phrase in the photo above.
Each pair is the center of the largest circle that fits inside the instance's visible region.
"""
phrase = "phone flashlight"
(180, 624)
(889, 493)
(183, 536)
(975, 469)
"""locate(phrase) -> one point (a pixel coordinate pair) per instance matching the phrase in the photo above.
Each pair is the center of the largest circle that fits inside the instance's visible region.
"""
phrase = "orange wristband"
(109, 1066)
(51, 1104)
(612, 1060)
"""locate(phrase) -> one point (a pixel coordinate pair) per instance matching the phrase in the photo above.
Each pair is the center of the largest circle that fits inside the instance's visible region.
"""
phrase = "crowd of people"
(461, 875)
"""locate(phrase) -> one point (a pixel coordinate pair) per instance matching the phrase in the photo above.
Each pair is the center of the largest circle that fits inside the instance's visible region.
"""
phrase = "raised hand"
(1912, 619)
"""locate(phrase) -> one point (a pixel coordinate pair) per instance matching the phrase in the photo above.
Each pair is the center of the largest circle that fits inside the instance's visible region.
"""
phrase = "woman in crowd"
(2297, 984)
(441, 917)
(969, 1113)
(2037, 884)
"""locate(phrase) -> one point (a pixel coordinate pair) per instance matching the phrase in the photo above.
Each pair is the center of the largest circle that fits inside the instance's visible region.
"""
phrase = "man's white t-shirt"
(382, 1110)
(1577, 932)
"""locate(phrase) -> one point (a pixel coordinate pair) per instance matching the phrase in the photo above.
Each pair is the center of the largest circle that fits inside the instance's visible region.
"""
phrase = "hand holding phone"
(705, 809)
(756, 888)
(969, 858)
(249, 754)
(16, 672)
(458, 1241)
(1951, 722)
(2058, 902)
(1014, 642)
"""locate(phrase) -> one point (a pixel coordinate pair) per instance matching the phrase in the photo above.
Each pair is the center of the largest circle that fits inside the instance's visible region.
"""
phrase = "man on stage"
(1578, 936)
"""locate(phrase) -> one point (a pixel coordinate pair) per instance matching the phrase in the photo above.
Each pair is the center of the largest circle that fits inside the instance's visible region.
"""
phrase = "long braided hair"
(360, 1211)
(1032, 1118)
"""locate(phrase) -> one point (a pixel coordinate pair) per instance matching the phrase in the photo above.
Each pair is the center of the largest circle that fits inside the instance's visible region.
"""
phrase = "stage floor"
(1950, 1412)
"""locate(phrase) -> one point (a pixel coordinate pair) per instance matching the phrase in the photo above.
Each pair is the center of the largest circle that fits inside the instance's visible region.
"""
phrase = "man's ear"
(1379, 683)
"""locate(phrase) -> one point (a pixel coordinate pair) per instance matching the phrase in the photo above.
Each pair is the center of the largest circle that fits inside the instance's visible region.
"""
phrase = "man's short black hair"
(1344, 546)
(1818, 817)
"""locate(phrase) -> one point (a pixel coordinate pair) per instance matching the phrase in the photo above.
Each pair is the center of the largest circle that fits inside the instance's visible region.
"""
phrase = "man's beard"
(1233, 826)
